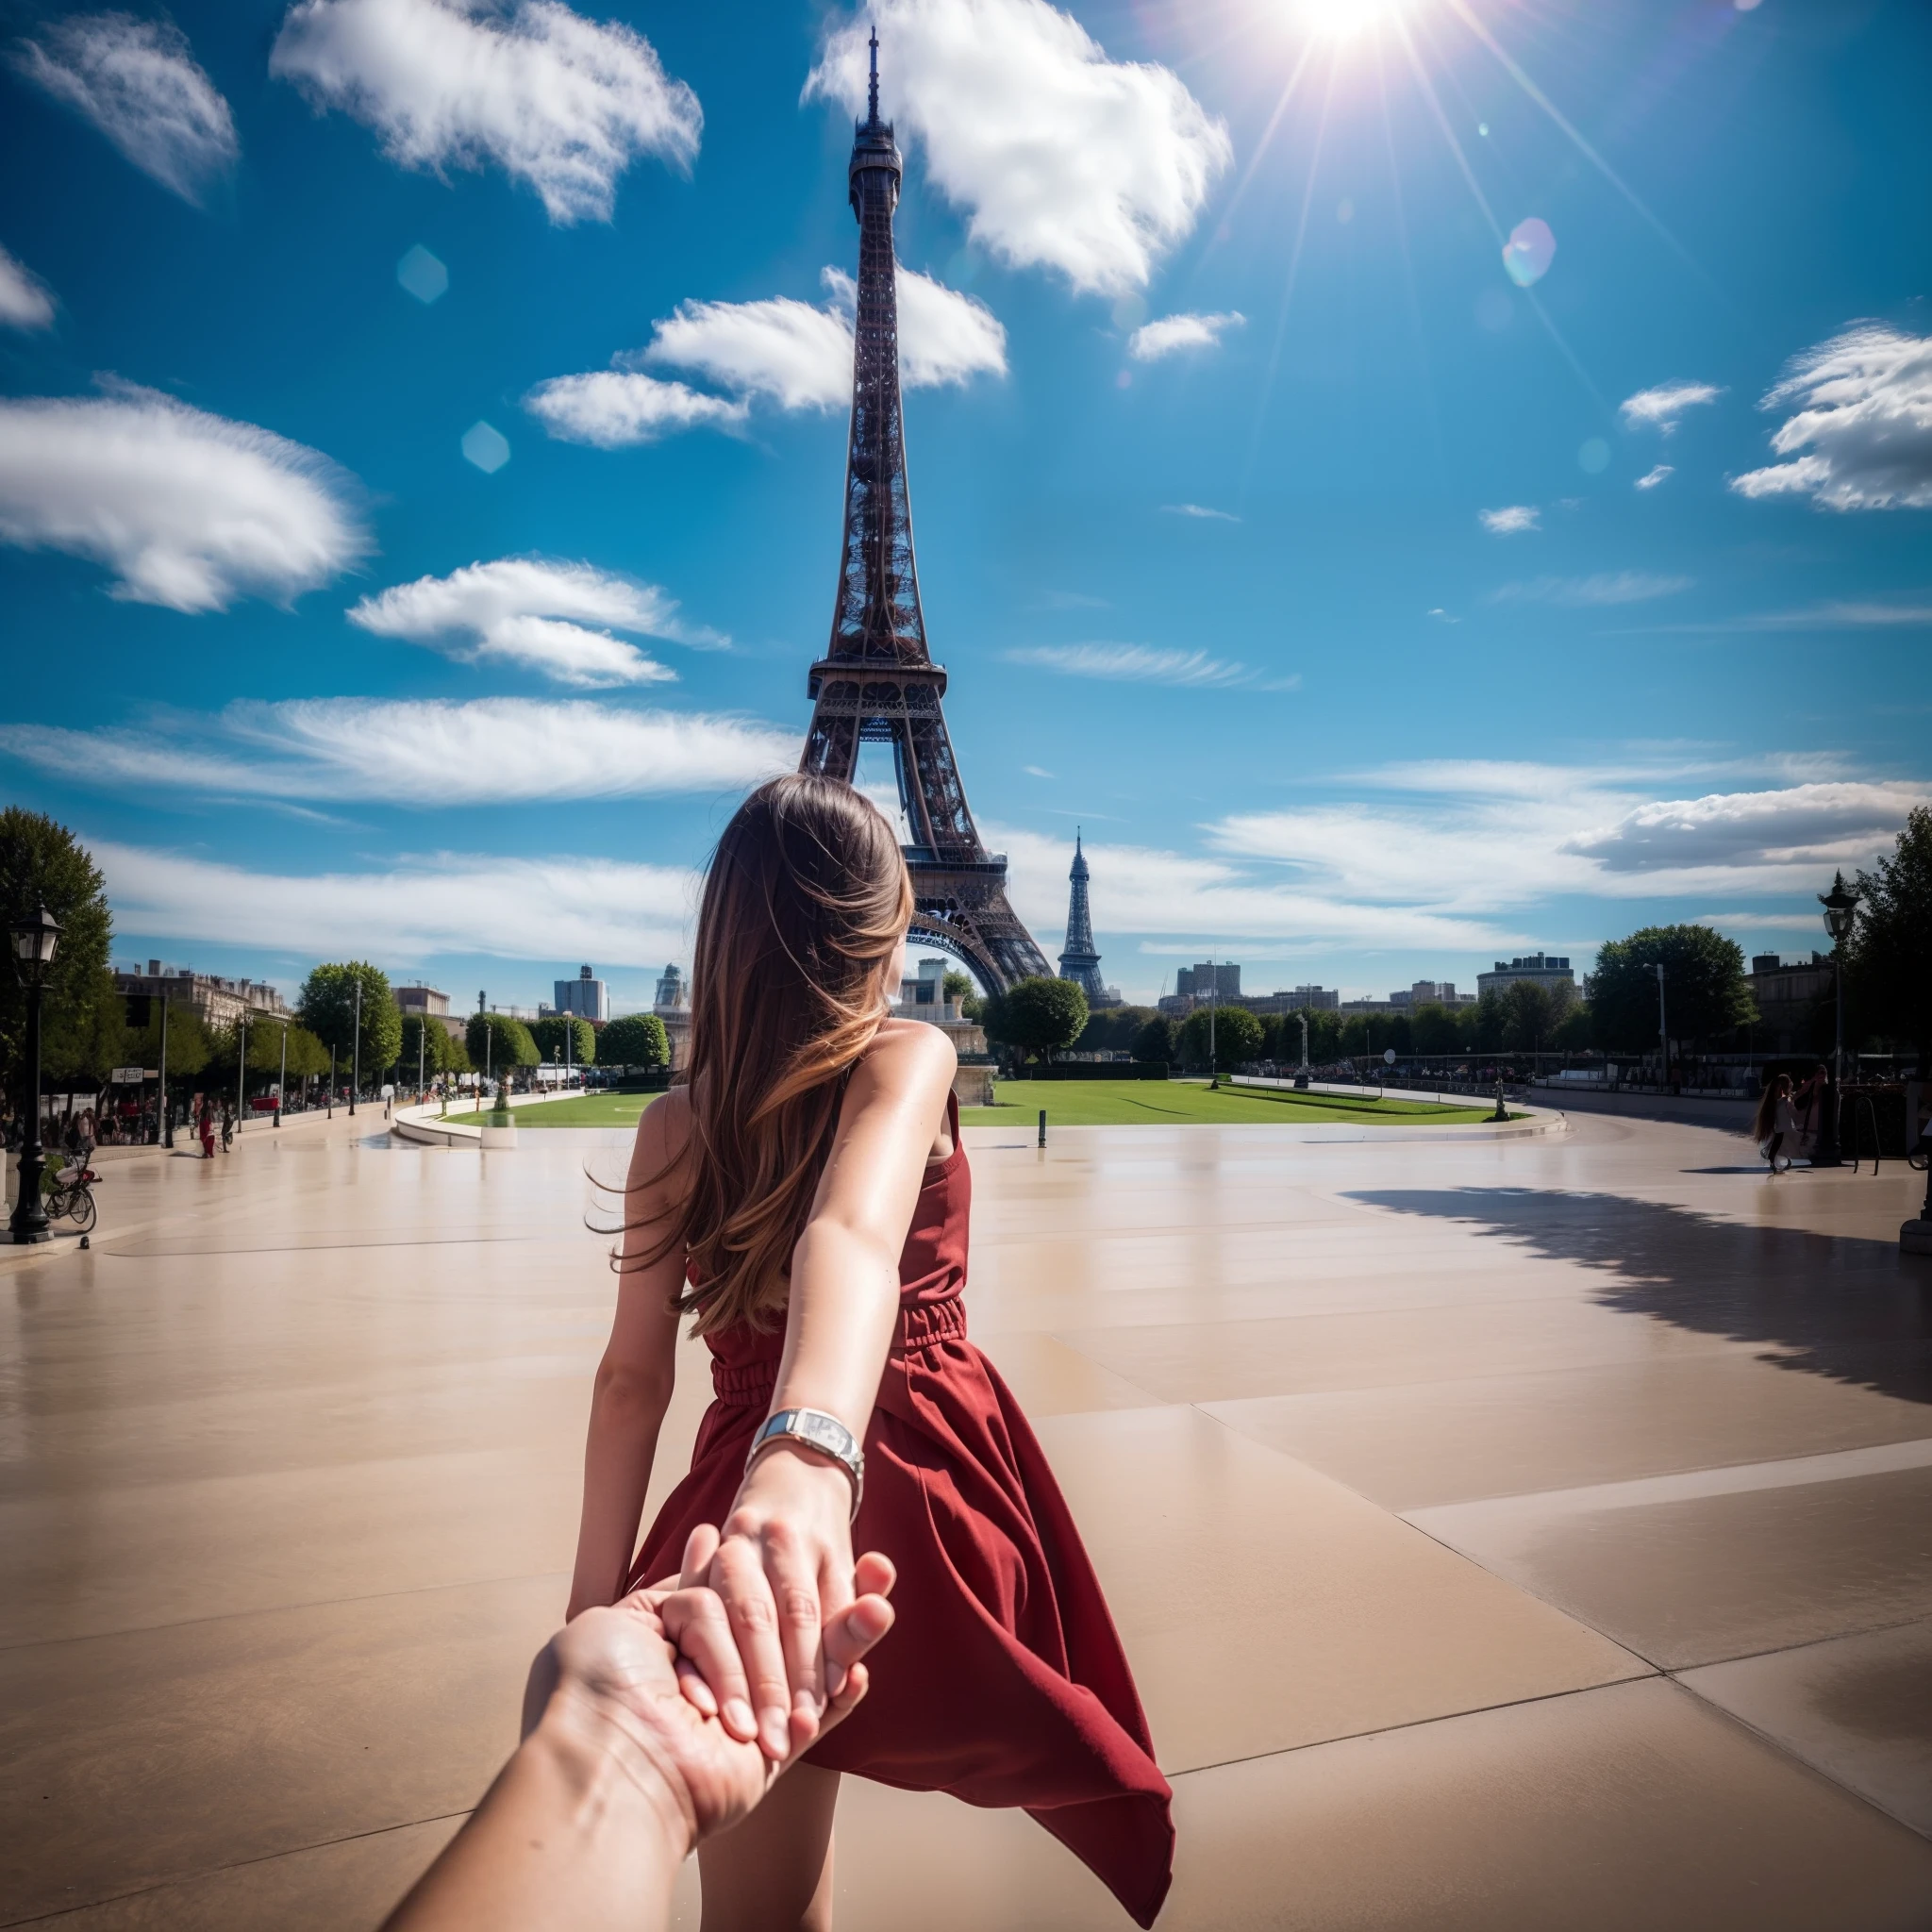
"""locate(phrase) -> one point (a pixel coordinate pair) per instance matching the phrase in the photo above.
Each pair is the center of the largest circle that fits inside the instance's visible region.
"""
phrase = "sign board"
(128, 1077)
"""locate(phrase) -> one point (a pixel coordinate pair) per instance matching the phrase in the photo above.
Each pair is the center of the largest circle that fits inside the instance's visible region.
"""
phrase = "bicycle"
(70, 1197)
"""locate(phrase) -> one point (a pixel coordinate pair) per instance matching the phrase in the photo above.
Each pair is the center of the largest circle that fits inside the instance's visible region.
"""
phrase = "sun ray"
(1294, 262)
(1415, 307)
(1465, 13)
(1281, 107)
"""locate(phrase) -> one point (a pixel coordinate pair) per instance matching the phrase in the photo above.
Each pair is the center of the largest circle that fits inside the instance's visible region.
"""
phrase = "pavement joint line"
(1745, 1657)
(322, 1844)
(1689, 1486)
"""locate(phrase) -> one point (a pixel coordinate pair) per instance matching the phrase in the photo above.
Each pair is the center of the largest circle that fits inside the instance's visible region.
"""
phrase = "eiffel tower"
(876, 681)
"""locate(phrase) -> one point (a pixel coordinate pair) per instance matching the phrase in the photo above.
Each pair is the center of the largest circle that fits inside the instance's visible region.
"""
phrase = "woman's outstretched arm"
(784, 1564)
(634, 1379)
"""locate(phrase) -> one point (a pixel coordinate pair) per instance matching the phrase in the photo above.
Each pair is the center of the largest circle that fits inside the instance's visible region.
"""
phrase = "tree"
(635, 1040)
(188, 1044)
(327, 1008)
(1434, 1029)
(82, 1026)
(1889, 957)
(1236, 1037)
(1530, 1016)
(1112, 1030)
(555, 1029)
(955, 985)
(1041, 1015)
(1705, 993)
(308, 1056)
(501, 1044)
(1154, 1043)
(426, 1043)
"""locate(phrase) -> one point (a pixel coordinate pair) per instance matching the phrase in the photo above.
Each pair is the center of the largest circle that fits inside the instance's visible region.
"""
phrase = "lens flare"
(1342, 20)
(1529, 251)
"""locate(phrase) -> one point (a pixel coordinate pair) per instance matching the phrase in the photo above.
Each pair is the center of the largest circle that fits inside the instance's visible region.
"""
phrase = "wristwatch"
(812, 1428)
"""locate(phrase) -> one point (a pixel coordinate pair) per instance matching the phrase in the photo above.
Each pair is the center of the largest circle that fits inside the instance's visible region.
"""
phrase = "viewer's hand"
(652, 1673)
(785, 1573)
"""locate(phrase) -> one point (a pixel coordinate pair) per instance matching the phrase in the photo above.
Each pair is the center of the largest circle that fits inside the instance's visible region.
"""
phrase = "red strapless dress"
(1002, 1681)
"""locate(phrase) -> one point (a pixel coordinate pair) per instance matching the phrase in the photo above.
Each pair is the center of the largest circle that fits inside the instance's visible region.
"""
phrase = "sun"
(1344, 19)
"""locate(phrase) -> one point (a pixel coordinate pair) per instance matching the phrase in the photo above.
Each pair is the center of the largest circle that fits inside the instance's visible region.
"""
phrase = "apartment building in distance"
(1544, 969)
(427, 1003)
(218, 1002)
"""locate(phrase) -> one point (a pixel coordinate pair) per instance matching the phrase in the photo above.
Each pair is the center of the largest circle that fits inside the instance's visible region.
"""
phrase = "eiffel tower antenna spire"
(1079, 961)
(877, 682)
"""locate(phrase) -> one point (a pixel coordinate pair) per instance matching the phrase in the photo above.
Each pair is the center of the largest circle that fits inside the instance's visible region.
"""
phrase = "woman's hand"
(783, 1571)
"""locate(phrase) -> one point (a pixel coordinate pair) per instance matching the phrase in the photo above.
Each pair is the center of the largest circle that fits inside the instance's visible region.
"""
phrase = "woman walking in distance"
(206, 1126)
(805, 1197)
(1778, 1121)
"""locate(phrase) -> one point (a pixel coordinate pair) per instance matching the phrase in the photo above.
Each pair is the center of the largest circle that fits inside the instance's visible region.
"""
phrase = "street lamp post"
(242, 1070)
(1663, 1029)
(355, 1050)
(34, 940)
(1213, 1064)
(1841, 910)
(282, 1078)
(167, 1112)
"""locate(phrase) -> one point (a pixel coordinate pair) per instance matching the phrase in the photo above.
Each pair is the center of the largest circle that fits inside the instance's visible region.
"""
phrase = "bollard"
(1042, 1126)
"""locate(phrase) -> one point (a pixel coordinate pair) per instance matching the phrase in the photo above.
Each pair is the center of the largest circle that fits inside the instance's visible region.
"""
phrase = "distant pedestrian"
(228, 1126)
(1777, 1122)
(204, 1125)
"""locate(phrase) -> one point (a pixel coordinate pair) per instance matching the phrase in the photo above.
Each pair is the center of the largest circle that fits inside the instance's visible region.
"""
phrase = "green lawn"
(587, 1111)
(1079, 1103)
(1152, 1103)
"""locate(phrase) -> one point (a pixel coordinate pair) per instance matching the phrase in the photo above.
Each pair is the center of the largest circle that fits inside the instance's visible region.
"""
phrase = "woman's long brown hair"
(806, 903)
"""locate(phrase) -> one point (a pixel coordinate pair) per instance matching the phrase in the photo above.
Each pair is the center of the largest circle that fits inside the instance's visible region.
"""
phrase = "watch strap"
(812, 1428)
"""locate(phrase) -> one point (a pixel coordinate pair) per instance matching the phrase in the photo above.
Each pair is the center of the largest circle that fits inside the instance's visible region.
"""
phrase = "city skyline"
(1422, 485)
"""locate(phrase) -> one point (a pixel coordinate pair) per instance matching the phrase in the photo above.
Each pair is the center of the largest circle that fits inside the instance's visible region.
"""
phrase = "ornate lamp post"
(34, 940)
(1840, 910)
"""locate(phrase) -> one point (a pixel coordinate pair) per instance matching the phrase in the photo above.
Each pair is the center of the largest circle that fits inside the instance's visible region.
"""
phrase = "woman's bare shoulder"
(664, 1132)
(909, 1050)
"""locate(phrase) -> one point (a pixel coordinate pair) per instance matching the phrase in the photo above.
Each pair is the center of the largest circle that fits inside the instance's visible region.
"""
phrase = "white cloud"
(1659, 408)
(417, 752)
(24, 301)
(1144, 664)
(615, 409)
(554, 616)
(1483, 838)
(787, 352)
(1654, 476)
(138, 82)
(188, 510)
(1168, 334)
(1199, 510)
(798, 356)
(624, 915)
(1511, 520)
(1062, 158)
(1865, 413)
(560, 102)
(1603, 588)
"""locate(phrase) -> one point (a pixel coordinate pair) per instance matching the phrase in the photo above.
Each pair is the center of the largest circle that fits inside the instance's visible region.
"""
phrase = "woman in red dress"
(804, 1195)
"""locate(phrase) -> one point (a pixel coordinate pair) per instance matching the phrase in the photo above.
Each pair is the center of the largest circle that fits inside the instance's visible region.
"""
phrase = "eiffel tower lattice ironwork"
(1079, 962)
(876, 681)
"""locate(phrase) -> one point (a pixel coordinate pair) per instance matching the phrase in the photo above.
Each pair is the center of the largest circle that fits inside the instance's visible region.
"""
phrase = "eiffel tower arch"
(877, 682)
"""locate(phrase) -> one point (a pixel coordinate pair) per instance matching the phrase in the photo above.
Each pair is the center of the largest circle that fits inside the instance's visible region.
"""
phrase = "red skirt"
(1002, 1681)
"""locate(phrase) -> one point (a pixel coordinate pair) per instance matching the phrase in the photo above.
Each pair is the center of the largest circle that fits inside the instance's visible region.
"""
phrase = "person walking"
(205, 1127)
(805, 1197)
(1776, 1125)
(227, 1127)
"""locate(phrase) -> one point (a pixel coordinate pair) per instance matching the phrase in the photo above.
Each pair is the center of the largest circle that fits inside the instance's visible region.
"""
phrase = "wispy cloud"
(1654, 476)
(1603, 588)
(1511, 520)
(559, 102)
(1169, 335)
(1144, 664)
(491, 751)
(24, 301)
(139, 84)
(186, 509)
(617, 409)
(791, 354)
(518, 909)
(555, 618)
(1659, 408)
(1062, 158)
(1847, 615)
(1198, 509)
(1864, 411)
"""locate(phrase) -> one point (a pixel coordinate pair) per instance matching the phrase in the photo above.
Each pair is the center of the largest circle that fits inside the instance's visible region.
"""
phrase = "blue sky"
(1378, 604)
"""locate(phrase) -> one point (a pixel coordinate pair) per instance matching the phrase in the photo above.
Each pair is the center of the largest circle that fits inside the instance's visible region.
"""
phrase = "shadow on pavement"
(1856, 1310)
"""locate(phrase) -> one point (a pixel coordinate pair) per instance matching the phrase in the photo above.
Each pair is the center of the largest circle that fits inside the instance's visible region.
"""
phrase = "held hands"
(784, 1574)
(664, 1681)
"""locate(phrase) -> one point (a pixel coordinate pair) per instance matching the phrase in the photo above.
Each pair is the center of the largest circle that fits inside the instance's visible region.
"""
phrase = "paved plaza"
(1508, 1533)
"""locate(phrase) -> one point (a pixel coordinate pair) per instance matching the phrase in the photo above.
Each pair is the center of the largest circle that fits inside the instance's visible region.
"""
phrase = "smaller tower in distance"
(1079, 962)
